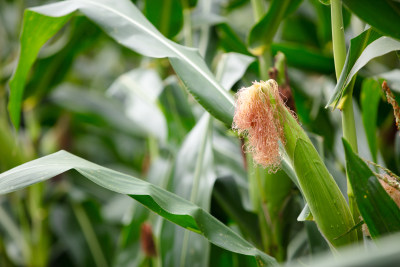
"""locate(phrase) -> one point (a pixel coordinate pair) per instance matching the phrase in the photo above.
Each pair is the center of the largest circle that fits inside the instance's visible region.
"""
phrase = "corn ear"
(325, 200)
(262, 113)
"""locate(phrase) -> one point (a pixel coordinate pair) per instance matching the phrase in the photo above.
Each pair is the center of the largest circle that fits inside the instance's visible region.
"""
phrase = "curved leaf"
(162, 202)
(379, 211)
(124, 22)
(384, 15)
(375, 45)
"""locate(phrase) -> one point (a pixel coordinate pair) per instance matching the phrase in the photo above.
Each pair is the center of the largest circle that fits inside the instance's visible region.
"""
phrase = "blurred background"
(100, 101)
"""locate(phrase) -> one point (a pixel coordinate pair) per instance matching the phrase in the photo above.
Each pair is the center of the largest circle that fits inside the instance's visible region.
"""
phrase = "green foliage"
(112, 82)
(166, 204)
(379, 211)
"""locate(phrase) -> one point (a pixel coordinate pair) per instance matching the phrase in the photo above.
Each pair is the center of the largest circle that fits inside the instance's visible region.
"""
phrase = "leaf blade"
(377, 208)
(127, 25)
(164, 203)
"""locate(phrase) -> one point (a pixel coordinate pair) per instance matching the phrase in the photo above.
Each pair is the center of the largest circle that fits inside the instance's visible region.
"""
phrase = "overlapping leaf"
(123, 22)
(164, 203)
(363, 48)
(377, 208)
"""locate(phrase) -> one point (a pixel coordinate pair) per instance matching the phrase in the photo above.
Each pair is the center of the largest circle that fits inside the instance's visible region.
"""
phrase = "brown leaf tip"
(392, 100)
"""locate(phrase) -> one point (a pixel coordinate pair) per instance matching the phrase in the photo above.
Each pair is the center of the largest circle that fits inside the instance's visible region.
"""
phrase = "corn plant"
(211, 133)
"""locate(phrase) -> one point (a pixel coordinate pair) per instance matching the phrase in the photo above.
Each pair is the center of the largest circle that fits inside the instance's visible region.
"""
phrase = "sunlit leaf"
(162, 202)
(124, 22)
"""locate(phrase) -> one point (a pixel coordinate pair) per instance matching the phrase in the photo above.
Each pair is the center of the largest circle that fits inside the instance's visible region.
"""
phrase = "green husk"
(327, 204)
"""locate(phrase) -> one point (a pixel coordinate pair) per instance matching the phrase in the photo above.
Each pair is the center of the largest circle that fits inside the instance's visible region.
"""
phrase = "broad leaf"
(124, 23)
(384, 15)
(162, 202)
(379, 211)
(358, 57)
(356, 48)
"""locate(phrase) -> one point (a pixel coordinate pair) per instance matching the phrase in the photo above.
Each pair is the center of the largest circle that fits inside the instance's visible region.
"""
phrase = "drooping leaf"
(363, 48)
(124, 23)
(371, 93)
(379, 211)
(262, 33)
(164, 203)
(384, 15)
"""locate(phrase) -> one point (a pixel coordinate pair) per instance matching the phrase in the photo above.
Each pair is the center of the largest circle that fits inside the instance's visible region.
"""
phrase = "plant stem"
(258, 9)
(348, 123)
(339, 45)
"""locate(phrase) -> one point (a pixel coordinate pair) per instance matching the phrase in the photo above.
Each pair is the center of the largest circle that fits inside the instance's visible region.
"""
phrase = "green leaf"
(193, 180)
(162, 202)
(263, 32)
(371, 93)
(300, 56)
(379, 211)
(326, 202)
(230, 41)
(375, 45)
(166, 15)
(384, 15)
(124, 23)
(36, 31)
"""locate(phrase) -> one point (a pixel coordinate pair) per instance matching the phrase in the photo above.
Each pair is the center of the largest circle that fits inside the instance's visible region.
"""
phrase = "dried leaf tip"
(392, 100)
(258, 115)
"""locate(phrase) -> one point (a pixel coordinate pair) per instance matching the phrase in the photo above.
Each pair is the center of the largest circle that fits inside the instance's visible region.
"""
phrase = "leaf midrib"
(170, 46)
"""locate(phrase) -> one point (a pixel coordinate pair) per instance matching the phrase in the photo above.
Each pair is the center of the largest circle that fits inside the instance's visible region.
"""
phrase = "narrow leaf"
(377, 208)
(162, 202)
